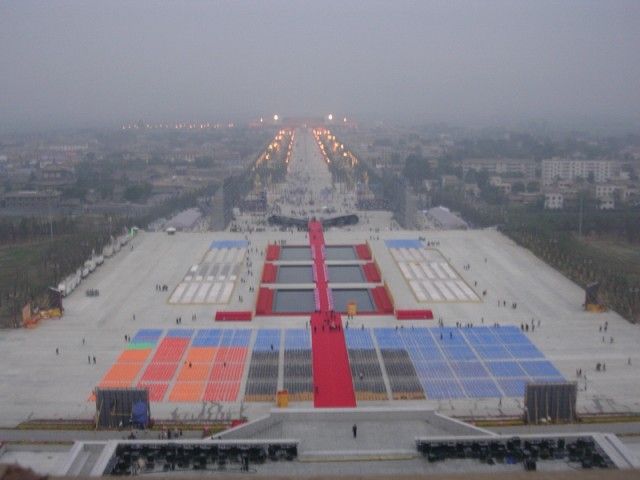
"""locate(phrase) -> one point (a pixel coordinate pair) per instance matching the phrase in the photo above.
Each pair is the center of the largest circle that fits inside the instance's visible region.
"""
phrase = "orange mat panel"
(134, 356)
(187, 392)
(201, 354)
(112, 384)
(122, 372)
(194, 373)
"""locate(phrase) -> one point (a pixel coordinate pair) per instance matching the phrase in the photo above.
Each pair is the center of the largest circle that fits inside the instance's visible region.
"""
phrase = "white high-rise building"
(569, 169)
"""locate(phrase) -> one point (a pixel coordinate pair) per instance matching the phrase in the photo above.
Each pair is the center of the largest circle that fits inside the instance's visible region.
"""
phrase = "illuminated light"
(276, 117)
(261, 120)
(330, 116)
(344, 119)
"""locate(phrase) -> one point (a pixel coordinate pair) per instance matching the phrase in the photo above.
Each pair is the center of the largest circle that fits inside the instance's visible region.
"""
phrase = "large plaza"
(481, 288)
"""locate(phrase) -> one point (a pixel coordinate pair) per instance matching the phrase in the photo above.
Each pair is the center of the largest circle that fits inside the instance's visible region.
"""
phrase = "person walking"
(354, 429)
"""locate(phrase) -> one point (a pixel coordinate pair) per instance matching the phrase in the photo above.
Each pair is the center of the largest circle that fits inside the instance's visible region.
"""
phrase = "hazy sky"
(74, 63)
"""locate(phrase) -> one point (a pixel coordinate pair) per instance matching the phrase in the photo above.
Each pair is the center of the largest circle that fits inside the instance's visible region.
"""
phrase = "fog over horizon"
(89, 63)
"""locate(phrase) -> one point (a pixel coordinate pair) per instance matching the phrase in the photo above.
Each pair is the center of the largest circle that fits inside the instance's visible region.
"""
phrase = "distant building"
(501, 166)
(607, 203)
(570, 169)
(606, 191)
(55, 176)
(504, 187)
(32, 199)
(447, 181)
(607, 194)
(442, 217)
(553, 201)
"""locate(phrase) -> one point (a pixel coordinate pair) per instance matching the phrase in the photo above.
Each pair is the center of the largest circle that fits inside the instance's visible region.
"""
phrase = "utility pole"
(50, 221)
(580, 214)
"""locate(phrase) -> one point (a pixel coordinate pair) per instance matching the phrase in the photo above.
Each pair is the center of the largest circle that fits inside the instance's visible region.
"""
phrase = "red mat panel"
(371, 272)
(265, 301)
(382, 300)
(414, 314)
(363, 251)
(156, 390)
(159, 372)
(233, 316)
(269, 273)
(170, 350)
(273, 253)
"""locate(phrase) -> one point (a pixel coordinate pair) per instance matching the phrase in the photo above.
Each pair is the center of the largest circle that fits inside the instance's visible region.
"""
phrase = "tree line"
(59, 246)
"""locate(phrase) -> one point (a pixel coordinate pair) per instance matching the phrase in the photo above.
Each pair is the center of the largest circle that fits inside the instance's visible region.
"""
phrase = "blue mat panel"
(443, 389)
(492, 352)
(524, 351)
(207, 338)
(434, 370)
(228, 244)
(461, 352)
(147, 335)
(358, 339)
(480, 388)
(297, 339)
(180, 333)
(513, 387)
(240, 338)
(266, 339)
(541, 368)
(403, 243)
(469, 369)
(505, 369)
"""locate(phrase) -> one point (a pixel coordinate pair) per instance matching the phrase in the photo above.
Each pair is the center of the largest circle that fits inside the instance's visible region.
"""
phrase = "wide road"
(309, 190)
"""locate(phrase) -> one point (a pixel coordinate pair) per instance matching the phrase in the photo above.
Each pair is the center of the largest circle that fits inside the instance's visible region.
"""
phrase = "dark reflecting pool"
(295, 274)
(299, 300)
(295, 253)
(337, 252)
(343, 296)
(345, 274)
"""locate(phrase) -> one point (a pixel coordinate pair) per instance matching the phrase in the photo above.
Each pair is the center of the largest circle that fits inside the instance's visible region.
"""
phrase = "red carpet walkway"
(333, 386)
(332, 382)
(316, 241)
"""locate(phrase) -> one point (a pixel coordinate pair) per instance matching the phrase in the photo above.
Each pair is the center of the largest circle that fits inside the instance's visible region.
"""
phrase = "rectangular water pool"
(294, 301)
(345, 274)
(295, 254)
(295, 274)
(343, 296)
(340, 252)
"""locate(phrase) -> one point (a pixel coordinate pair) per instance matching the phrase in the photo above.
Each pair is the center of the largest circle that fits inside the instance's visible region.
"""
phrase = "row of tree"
(63, 245)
